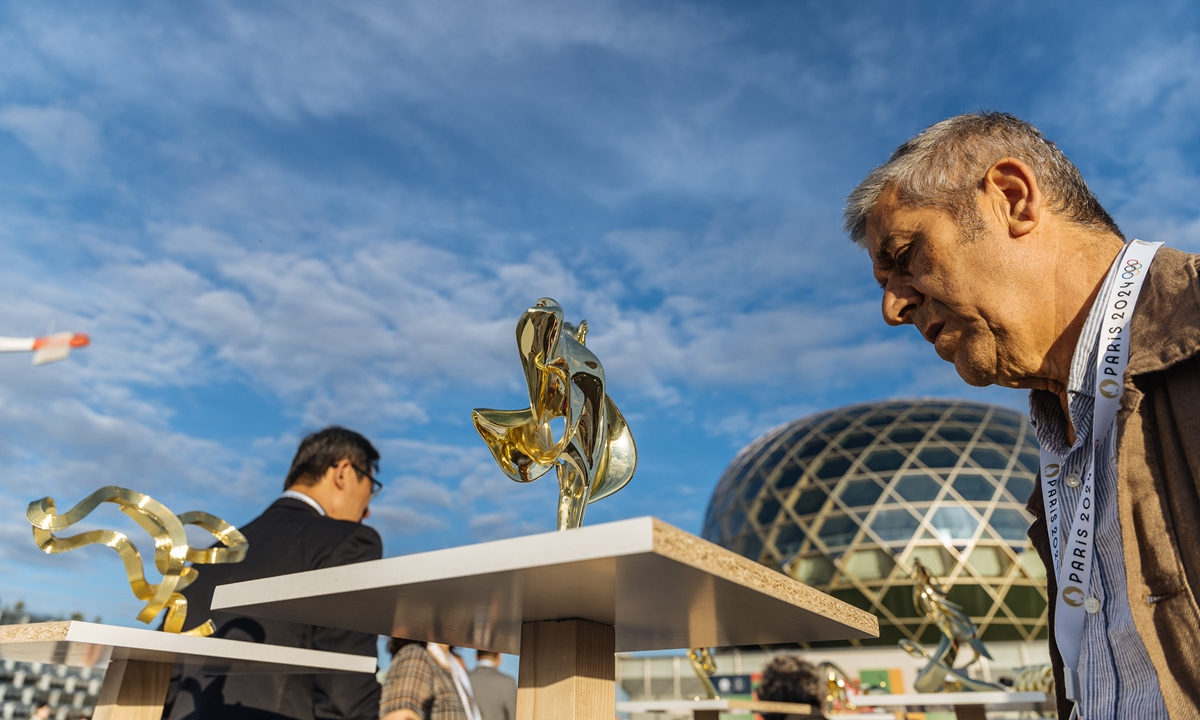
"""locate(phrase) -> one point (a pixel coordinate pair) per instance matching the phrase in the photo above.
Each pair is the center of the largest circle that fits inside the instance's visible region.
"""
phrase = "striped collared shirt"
(1116, 676)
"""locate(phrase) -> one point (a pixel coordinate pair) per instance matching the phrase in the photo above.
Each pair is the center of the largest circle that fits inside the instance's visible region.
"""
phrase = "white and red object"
(48, 348)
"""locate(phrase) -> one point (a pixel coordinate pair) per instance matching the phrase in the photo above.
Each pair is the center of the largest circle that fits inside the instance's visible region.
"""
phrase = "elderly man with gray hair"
(984, 236)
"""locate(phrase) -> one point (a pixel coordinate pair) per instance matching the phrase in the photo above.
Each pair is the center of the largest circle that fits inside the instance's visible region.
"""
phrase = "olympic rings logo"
(1132, 267)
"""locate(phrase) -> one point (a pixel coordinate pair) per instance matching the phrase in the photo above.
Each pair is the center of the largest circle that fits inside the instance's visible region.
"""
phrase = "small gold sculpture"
(957, 629)
(171, 549)
(1033, 678)
(705, 666)
(595, 455)
(837, 687)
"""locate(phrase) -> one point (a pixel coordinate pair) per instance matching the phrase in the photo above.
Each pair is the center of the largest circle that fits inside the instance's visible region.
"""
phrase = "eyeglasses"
(376, 486)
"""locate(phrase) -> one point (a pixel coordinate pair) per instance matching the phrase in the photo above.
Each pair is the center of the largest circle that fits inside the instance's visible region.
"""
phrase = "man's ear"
(341, 474)
(1011, 193)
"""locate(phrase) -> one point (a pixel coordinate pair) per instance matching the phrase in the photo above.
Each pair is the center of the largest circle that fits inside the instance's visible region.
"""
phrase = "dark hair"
(323, 449)
(787, 678)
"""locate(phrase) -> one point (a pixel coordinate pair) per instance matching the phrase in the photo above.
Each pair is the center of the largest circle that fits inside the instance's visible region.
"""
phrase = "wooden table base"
(133, 690)
(567, 672)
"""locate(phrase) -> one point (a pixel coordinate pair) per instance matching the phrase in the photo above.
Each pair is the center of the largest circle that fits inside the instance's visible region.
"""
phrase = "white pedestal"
(637, 584)
(138, 662)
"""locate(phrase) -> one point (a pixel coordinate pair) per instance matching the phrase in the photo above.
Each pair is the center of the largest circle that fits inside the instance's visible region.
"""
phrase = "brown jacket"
(1158, 486)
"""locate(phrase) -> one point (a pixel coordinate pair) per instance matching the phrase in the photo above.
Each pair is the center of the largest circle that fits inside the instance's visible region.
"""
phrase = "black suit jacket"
(289, 537)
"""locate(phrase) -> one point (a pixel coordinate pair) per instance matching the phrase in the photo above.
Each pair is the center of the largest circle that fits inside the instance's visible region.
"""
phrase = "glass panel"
(967, 415)
(856, 440)
(749, 545)
(1020, 488)
(838, 531)
(1007, 417)
(924, 416)
(898, 599)
(918, 488)
(768, 510)
(906, 434)
(789, 540)
(811, 447)
(1025, 602)
(973, 599)
(1033, 565)
(810, 501)
(833, 466)
(815, 570)
(989, 561)
(884, 460)
(937, 457)
(954, 523)
(836, 426)
(974, 487)
(935, 559)
(869, 564)
(880, 419)
(999, 435)
(788, 477)
(895, 525)
(1031, 461)
(955, 433)
(1009, 524)
(989, 459)
(734, 519)
(753, 484)
(861, 493)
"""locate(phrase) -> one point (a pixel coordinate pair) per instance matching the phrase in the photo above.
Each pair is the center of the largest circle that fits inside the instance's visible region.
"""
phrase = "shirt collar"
(304, 499)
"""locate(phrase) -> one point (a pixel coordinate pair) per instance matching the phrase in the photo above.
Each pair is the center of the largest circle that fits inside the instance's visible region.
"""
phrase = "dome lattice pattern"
(851, 496)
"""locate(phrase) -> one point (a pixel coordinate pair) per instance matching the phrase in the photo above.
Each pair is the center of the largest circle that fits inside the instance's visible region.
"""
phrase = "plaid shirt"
(415, 681)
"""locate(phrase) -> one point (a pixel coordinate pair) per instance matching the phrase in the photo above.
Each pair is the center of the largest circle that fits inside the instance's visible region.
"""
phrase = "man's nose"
(900, 299)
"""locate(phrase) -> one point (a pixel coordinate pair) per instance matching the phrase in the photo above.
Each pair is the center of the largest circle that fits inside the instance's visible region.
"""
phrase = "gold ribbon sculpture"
(595, 455)
(957, 629)
(171, 549)
(705, 666)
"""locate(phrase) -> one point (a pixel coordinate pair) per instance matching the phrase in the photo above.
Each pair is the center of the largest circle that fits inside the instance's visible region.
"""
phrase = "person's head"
(974, 228)
(42, 711)
(787, 678)
(487, 656)
(337, 468)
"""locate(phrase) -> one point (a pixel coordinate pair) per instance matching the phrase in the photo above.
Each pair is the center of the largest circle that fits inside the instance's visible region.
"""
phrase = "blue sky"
(275, 216)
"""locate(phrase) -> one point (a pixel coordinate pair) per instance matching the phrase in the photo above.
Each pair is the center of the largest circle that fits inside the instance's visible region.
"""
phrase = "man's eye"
(903, 258)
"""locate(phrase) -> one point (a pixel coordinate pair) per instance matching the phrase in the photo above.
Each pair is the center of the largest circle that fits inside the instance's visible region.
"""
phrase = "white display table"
(138, 662)
(967, 705)
(712, 709)
(564, 601)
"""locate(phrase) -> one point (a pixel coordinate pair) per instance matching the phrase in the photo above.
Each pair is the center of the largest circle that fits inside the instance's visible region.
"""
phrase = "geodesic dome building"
(848, 498)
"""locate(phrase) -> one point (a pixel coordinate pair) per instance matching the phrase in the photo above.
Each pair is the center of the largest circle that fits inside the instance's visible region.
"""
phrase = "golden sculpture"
(595, 455)
(705, 666)
(957, 629)
(837, 687)
(171, 548)
(1035, 677)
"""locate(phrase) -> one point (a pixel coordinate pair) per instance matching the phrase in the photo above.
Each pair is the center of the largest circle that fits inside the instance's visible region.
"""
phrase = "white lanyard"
(1073, 561)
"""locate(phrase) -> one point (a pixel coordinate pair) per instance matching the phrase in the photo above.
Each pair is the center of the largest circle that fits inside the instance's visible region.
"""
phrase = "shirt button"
(1092, 605)
(1073, 480)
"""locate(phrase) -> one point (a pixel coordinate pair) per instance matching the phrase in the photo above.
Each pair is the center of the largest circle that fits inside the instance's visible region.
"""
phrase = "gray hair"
(944, 167)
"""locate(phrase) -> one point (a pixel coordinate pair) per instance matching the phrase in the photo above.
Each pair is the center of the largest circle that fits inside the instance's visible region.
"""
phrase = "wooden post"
(706, 715)
(133, 690)
(567, 671)
(970, 712)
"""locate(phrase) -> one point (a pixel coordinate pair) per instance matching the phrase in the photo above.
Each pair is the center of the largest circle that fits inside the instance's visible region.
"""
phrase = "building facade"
(847, 499)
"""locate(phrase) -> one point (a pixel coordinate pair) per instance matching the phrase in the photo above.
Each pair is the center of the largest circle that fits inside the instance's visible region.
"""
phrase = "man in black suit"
(317, 523)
